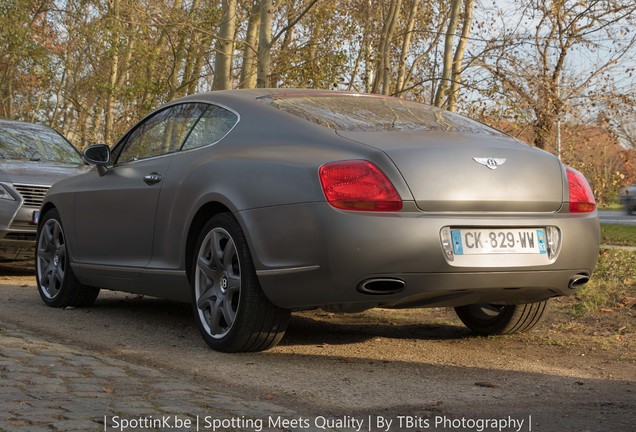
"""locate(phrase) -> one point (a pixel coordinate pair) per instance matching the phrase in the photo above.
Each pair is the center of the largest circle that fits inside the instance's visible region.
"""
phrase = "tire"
(231, 310)
(488, 319)
(55, 279)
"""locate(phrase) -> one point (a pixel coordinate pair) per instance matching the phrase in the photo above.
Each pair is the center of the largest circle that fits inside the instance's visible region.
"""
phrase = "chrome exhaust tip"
(577, 281)
(380, 286)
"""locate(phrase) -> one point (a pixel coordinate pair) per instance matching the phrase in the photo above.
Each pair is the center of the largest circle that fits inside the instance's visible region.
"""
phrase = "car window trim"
(143, 121)
(180, 151)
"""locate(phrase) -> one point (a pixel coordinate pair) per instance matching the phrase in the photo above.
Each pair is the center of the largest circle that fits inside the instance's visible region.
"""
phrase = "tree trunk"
(250, 62)
(58, 93)
(194, 56)
(459, 55)
(369, 65)
(383, 65)
(109, 110)
(406, 44)
(178, 54)
(543, 128)
(386, 79)
(265, 45)
(7, 89)
(225, 47)
(448, 54)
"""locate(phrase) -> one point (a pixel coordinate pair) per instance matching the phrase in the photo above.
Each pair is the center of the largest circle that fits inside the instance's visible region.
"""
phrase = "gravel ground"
(418, 369)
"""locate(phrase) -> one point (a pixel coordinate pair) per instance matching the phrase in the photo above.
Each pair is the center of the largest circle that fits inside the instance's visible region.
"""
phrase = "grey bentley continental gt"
(251, 204)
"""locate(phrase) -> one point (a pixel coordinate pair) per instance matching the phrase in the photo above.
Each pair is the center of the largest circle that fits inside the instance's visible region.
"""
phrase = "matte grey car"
(254, 203)
(32, 158)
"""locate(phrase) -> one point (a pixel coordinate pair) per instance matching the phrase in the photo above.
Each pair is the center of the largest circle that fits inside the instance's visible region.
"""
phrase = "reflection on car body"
(251, 204)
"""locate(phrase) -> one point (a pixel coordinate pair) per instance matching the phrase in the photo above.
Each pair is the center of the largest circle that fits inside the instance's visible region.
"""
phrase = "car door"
(115, 215)
(180, 190)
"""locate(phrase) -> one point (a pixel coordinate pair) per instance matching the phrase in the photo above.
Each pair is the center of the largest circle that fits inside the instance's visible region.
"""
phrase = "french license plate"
(467, 241)
(36, 217)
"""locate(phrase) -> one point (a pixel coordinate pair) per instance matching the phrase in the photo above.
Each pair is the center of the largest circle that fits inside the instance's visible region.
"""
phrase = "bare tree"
(267, 40)
(530, 72)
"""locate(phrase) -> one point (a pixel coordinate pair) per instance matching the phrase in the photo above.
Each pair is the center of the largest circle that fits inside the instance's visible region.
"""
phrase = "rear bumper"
(311, 255)
(420, 289)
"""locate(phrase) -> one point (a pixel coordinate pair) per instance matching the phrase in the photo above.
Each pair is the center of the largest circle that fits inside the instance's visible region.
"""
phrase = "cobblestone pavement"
(46, 385)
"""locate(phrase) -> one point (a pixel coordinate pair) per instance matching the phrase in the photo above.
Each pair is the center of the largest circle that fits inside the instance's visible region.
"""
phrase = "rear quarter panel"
(270, 159)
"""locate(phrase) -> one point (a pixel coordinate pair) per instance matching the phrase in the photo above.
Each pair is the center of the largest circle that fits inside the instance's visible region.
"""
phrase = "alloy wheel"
(51, 258)
(218, 283)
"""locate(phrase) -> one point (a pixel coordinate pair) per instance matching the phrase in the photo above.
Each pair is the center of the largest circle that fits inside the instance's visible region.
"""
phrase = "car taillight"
(581, 197)
(358, 185)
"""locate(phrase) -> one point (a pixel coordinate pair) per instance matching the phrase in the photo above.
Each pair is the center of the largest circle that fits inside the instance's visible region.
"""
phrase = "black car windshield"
(374, 114)
(35, 143)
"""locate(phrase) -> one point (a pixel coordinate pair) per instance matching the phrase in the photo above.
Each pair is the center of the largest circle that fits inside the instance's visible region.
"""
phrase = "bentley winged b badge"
(491, 163)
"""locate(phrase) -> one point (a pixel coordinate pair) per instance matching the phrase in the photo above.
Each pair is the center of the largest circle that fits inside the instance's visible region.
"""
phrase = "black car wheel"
(489, 319)
(56, 281)
(230, 308)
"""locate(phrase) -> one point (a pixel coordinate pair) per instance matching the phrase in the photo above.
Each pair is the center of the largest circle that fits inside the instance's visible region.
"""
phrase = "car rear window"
(375, 113)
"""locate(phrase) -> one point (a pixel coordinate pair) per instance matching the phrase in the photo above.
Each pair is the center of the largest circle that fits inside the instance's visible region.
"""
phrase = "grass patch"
(620, 235)
(611, 206)
(613, 285)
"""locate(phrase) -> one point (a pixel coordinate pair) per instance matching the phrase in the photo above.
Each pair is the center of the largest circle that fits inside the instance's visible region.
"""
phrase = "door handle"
(152, 178)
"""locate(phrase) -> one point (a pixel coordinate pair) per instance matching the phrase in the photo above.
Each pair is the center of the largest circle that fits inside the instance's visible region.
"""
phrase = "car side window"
(161, 134)
(213, 125)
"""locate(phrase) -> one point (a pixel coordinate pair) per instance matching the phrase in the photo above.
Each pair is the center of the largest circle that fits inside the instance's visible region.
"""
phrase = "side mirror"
(99, 155)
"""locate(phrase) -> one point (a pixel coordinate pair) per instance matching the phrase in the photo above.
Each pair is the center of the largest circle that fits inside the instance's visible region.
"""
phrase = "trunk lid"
(471, 173)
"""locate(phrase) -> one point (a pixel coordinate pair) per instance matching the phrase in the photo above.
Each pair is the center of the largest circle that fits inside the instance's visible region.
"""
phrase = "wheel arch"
(204, 214)
(68, 220)
(46, 207)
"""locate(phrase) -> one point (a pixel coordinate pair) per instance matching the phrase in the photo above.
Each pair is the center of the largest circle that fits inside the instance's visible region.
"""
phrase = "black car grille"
(20, 236)
(32, 195)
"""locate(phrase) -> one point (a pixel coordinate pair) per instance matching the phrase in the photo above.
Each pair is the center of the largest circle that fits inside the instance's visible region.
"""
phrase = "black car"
(628, 198)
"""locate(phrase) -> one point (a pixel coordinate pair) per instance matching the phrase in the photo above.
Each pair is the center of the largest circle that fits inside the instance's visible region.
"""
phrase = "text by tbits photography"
(369, 423)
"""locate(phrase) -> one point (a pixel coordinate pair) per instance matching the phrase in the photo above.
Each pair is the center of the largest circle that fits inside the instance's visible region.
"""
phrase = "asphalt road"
(616, 217)
(129, 357)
